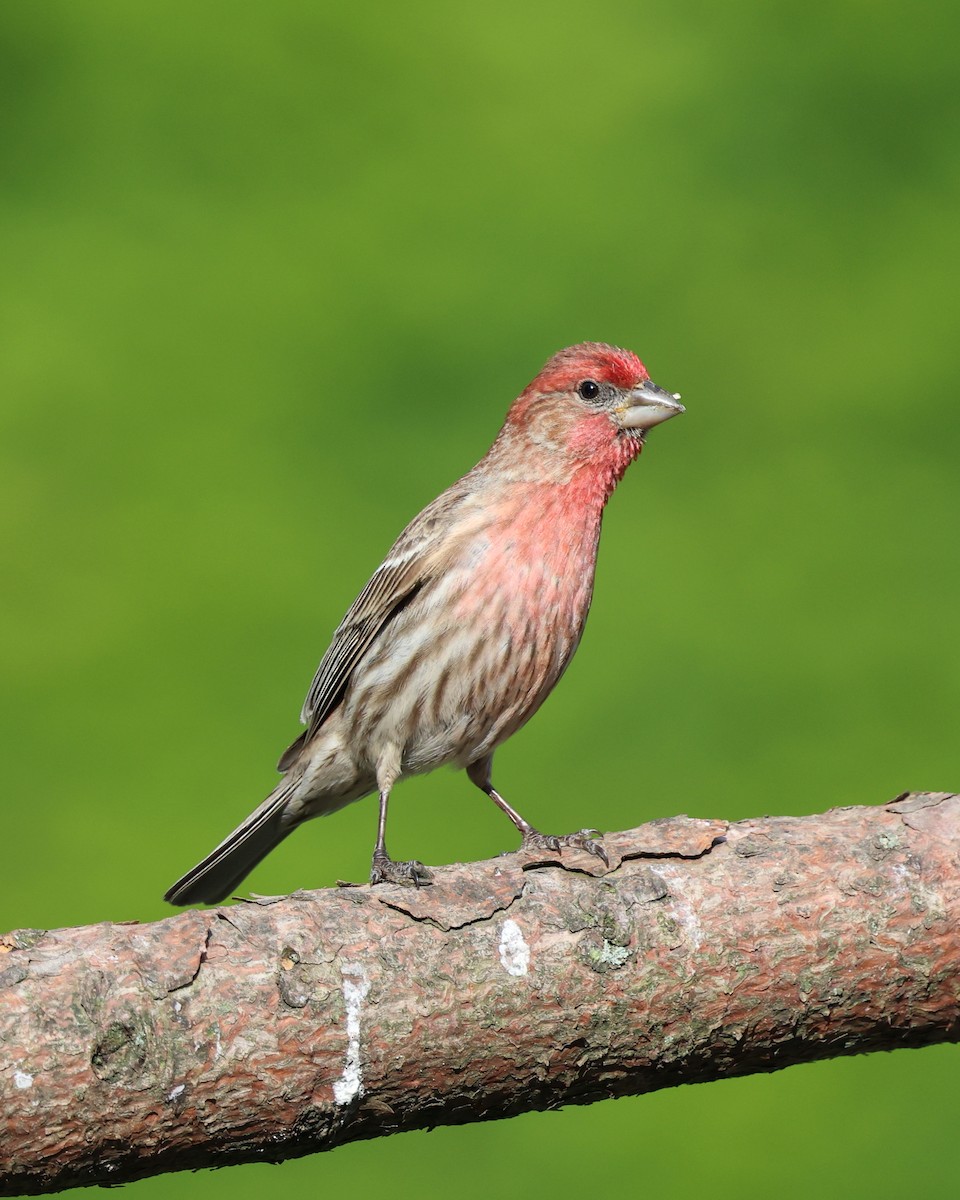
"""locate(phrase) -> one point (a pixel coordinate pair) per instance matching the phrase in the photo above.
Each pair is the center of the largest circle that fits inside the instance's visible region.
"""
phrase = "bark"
(272, 1029)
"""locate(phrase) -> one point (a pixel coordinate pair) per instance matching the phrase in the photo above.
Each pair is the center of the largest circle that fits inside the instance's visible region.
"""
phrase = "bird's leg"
(383, 869)
(533, 839)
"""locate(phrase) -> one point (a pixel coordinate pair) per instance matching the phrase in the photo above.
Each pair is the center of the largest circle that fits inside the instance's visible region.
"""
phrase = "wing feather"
(408, 567)
(389, 589)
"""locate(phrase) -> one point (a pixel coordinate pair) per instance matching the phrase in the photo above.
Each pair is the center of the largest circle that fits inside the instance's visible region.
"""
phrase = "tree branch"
(276, 1028)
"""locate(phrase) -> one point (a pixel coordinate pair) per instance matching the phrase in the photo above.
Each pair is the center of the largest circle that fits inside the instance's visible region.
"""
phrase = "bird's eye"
(589, 390)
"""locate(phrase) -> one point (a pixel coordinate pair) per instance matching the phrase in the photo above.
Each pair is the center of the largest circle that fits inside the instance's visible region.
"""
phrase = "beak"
(649, 405)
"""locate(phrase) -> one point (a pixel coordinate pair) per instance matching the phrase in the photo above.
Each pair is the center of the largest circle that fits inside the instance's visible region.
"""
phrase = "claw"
(584, 840)
(535, 840)
(408, 874)
(595, 847)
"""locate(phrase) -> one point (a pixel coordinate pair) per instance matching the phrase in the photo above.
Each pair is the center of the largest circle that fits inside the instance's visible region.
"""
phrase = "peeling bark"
(273, 1029)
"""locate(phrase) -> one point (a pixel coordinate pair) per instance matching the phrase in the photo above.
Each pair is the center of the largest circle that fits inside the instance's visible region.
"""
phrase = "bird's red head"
(588, 409)
(590, 387)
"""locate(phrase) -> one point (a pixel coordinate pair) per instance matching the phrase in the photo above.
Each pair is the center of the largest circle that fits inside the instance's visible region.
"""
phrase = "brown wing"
(409, 565)
(390, 589)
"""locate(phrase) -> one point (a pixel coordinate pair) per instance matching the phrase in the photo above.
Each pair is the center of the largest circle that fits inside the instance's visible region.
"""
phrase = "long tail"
(224, 868)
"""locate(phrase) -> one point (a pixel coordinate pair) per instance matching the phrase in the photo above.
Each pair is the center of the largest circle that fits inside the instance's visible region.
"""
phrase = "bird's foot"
(383, 869)
(584, 839)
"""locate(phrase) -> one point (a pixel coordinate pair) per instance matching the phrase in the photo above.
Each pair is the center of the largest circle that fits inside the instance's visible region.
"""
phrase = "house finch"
(468, 622)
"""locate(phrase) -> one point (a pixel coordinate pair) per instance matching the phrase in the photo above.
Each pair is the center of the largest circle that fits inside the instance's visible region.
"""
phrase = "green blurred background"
(270, 277)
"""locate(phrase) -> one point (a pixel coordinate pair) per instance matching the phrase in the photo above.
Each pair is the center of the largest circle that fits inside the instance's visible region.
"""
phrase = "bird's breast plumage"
(473, 656)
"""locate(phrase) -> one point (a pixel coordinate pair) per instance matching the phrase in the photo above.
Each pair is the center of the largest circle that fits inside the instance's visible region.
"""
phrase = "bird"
(468, 623)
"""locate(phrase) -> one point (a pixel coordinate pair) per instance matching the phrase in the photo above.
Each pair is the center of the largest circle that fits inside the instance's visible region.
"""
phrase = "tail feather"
(224, 868)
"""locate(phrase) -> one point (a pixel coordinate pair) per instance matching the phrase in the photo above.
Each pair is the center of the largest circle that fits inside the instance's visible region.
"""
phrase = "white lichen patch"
(22, 1080)
(682, 911)
(355, 989)
(514, 951)
(613, 956)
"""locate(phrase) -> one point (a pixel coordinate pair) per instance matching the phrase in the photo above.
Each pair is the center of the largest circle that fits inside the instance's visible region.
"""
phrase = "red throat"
(605, 455)
(543, 543)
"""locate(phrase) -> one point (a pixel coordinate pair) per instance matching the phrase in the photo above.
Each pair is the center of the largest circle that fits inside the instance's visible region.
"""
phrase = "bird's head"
(591, 401)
